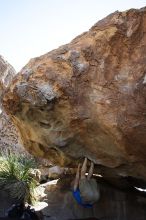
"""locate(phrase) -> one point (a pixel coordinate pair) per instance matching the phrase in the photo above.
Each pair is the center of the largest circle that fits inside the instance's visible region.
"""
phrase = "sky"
(30, 28)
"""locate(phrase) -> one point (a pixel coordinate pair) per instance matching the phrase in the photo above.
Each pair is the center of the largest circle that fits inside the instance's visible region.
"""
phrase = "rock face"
(10, 139)
(88, 98)
(9, 135)
(7, 72)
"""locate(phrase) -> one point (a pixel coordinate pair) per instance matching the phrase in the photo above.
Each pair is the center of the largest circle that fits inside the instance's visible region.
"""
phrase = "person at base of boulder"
(21, 212)
(85, 189)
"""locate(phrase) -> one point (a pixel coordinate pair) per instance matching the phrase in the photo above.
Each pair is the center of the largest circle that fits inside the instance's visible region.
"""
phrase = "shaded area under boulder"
(114, 204)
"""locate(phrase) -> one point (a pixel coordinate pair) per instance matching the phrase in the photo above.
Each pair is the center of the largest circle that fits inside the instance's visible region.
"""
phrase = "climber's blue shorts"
(76, 195)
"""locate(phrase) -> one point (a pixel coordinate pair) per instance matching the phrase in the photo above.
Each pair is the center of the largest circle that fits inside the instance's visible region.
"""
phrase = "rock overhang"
(87, 98)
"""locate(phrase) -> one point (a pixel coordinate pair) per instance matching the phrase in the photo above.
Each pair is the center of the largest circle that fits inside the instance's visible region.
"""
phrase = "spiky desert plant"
(15, 177)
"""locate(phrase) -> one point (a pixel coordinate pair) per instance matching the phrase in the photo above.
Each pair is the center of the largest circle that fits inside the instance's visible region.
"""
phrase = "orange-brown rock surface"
(88, 98)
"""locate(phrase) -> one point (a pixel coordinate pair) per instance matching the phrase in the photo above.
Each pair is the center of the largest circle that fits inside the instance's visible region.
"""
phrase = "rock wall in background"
(9, 135)
(88, 98)
(7, 72)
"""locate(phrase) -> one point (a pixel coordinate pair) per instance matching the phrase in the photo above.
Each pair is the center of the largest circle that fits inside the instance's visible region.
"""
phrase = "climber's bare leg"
(90, 173)
(76, 181)
(84, 169)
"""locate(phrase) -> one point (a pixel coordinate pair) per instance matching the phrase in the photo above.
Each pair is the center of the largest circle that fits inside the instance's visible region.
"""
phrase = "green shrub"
(15, 177)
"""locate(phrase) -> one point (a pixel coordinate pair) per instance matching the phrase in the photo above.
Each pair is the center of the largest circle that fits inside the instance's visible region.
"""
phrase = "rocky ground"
(5, 202)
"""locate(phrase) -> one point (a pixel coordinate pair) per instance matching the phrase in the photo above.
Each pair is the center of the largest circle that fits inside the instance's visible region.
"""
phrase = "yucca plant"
(15, 177)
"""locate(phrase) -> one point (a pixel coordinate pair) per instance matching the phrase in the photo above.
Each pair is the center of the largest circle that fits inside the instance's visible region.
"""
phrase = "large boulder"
(88, 98)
